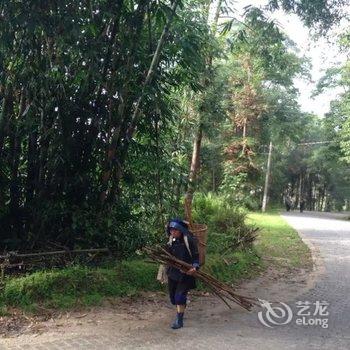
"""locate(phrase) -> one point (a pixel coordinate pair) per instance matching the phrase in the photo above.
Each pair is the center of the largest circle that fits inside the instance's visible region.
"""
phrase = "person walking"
(183, 245)
(302, 204)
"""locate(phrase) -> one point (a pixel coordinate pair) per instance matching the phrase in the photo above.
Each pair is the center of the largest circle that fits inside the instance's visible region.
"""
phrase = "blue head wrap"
(178, 224)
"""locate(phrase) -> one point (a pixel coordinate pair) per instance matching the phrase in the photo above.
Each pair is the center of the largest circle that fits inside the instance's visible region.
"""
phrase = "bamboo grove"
(71, 74)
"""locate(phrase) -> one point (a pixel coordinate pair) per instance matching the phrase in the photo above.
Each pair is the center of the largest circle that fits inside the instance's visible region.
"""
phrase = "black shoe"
(179, 321)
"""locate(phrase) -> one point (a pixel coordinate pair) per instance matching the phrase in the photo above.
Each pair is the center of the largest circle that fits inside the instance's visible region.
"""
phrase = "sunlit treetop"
(318, 14)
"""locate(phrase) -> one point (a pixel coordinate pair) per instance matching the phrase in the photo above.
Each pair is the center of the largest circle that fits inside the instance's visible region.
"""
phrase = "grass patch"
(235, 266)
(81, 286)
(278, 242)
(78, 286)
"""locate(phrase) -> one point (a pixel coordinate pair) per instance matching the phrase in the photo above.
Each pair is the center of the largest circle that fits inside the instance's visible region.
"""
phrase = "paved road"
(329, 236)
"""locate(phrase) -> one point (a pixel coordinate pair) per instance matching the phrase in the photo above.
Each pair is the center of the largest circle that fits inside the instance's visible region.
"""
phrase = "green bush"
(117, 228)
(217, 212)
(233, 267)
(226, 222)
(77, 226)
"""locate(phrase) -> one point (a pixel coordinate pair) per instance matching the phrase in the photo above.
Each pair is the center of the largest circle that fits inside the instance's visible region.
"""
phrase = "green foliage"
(238, 265)
(77, 169)
(79, 285)
(82, 286)
(226, 223)
(261, 106)
(214, 210)
(322, 169)
(117, 228)
(322, 14)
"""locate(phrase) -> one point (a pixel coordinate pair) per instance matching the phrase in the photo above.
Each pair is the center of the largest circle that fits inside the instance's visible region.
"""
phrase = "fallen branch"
(245, 240)
(30, 255)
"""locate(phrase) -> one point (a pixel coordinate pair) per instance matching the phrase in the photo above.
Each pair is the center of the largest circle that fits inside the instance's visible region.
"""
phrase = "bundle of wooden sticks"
(223, 291)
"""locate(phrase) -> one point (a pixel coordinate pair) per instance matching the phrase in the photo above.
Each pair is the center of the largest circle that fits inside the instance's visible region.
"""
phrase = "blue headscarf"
(178, 224)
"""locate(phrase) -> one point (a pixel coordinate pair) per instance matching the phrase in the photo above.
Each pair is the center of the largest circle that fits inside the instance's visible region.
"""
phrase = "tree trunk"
(267, 180)
(7, 108)
(323, 198)
(14, 159)
(32, 153)
(44, 145)
(7, 105)
(216, 16)
(301, 187)
(194, 168)
(309, 193)
(193, 173)
(159, 177)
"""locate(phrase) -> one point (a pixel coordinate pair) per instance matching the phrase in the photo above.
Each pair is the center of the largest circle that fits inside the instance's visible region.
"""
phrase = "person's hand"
(191, 271)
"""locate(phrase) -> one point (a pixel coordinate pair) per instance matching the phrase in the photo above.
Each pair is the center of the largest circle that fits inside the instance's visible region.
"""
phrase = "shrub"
(226, 222)
(216, 210)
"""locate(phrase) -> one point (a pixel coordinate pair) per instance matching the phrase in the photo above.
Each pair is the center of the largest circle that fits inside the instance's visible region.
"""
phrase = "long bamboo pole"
(151, 70)
(58, 252)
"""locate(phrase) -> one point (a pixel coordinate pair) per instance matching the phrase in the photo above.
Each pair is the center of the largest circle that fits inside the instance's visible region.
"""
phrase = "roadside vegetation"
(279, 244)
(79, 286)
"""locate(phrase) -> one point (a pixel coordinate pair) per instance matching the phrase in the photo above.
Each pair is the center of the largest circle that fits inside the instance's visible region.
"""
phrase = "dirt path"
(144, 324)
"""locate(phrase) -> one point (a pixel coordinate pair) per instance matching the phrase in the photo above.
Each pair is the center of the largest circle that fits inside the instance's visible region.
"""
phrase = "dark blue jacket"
(179, 250)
